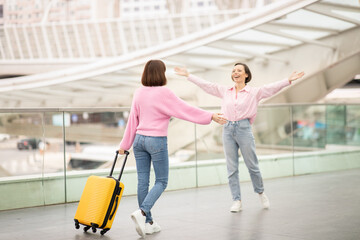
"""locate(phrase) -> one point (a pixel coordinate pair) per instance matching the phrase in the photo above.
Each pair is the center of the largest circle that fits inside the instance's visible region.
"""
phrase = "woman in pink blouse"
(239, 107)
(152, 107)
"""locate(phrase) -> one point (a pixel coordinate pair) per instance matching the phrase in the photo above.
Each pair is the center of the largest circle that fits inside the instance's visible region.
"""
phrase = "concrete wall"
(20, 192)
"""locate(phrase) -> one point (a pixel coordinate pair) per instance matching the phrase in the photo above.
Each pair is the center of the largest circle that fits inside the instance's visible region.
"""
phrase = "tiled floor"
(311, 207)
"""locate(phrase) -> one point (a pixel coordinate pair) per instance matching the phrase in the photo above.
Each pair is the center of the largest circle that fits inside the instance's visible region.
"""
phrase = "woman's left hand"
(295, 75)
(181, 71)
(217, 117)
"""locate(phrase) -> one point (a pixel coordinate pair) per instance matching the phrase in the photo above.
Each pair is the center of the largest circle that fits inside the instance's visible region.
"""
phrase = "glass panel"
(336, 122)
(353, 125)
(309, 127)
(51, 150)
(344, 125)
(91, 141)
(211, 167)
(310, 139)
(303, 138)
(272, 131)
(21, 134)
(181, 147)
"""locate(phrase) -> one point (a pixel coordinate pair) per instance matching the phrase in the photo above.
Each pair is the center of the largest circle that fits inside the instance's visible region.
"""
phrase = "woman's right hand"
(181, 71)
(295, 75)
(121, 151)
(217, 117)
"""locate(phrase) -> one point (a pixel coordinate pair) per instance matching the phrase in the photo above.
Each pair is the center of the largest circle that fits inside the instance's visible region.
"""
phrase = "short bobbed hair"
(154, 74)
(247, 71)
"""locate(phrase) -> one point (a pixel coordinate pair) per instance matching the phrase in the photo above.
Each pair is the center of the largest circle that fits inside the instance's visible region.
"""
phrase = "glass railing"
(54, 146)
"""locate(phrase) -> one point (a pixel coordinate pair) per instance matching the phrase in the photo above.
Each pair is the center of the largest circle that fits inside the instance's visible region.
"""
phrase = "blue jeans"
(238, 134)
(146, 150)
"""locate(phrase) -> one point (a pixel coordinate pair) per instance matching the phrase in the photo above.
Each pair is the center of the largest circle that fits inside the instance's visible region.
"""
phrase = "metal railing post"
(64, 152)
(196, 158)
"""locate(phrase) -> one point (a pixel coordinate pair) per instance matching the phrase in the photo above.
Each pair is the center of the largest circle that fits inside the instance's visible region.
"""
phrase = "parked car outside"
(28, 143)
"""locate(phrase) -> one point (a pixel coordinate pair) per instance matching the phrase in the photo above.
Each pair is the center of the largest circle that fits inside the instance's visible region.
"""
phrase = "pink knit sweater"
(151, 110)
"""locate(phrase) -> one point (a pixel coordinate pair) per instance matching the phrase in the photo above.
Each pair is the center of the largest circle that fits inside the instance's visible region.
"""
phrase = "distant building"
(36, 11)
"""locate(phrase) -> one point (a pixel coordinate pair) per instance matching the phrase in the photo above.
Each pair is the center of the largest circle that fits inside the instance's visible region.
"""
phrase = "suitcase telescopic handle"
(123, 166)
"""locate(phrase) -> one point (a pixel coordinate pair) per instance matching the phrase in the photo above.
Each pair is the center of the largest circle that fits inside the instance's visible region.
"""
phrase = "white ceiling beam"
(9, 96)
(135, 70)
(275, 31)
(171, 64)
(293, 26)
(248, 42)
(321, 82)
(84, 87)
(343, 6)
(28, 95)
(130, 81)
(133, 76)
(185, 59)
(207, 55)
(169, 48)
(327, 9)
(119, 88)
(251, 53)
(52, 92)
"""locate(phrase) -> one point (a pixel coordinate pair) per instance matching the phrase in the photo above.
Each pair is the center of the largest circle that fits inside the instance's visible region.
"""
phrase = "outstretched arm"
(272, 88)
(209, 87)
(176, 107)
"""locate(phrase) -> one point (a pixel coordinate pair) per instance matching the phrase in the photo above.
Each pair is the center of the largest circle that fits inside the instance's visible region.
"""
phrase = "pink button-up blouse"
(241, 105)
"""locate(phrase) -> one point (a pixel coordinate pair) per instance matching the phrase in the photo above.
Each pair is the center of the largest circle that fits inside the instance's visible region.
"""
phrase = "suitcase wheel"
(102, 232)
(86, 228)
(77, 225)
(93, 227)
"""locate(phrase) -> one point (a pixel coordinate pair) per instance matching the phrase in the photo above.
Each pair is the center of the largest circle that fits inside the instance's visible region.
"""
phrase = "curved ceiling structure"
(321, 38)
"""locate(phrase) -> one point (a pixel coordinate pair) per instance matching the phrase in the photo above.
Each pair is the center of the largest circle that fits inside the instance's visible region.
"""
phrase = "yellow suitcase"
(100, 200)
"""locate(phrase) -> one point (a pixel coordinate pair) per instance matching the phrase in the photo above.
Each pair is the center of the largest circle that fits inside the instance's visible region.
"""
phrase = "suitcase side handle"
(123, 166)
(115, 207)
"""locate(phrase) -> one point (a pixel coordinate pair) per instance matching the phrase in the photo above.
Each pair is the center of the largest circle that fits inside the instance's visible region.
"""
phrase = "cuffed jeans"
(238, 134)
(146, 150)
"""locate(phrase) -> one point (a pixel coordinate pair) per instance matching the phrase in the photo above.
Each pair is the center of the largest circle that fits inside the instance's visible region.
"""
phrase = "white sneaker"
(264, 200)
(139, 221)
(236, 206)
(152, 228)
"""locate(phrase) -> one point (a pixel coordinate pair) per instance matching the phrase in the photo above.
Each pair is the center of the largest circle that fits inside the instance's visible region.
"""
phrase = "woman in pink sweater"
(152, 107)
(239, 106)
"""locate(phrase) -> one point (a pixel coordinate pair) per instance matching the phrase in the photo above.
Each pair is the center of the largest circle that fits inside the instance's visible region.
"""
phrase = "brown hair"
(247, 71)
(154, 74)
